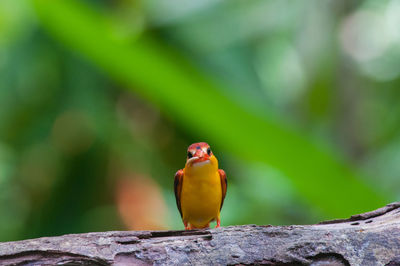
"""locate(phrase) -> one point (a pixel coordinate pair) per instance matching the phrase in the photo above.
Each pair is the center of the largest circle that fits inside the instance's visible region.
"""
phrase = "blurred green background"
(99, 100)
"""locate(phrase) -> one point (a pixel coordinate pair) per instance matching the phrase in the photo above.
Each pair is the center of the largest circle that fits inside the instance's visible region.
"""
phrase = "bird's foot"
(218, 223)
(187, 226)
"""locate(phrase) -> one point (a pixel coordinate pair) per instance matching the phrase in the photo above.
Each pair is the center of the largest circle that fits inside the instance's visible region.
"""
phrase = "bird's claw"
(218, 223)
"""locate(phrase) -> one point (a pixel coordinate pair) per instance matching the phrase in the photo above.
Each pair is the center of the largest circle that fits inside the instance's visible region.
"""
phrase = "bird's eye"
(209, 152)
(190, 155)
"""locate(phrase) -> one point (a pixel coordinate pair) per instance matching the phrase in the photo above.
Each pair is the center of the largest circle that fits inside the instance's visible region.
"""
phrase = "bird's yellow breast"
(201, 194)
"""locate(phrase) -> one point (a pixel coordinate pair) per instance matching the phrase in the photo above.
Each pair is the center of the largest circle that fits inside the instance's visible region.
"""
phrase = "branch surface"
(371, 238)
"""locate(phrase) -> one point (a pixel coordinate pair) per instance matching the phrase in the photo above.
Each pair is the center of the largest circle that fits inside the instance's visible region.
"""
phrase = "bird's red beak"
(203, 156)
(199, 156)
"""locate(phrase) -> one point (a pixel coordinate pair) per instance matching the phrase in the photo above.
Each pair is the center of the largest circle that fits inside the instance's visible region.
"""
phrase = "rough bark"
(366, 239)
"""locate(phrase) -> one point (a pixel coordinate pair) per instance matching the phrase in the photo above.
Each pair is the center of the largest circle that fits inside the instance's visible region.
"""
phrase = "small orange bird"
(200, 188)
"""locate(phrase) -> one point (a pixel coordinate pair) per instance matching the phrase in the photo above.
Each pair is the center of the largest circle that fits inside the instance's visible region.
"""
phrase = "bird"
(200, 188)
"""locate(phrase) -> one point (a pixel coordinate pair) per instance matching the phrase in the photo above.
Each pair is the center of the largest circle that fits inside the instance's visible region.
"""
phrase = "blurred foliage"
(99, 100)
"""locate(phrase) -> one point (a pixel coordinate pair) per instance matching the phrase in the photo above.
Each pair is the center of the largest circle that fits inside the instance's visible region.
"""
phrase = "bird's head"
(200, 154)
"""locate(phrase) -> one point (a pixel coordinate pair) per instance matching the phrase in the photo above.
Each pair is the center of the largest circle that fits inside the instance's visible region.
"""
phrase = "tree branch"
(371, 238)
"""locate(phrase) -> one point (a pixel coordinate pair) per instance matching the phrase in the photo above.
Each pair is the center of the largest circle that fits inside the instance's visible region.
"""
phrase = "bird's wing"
(224, 185)
(178, 189)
